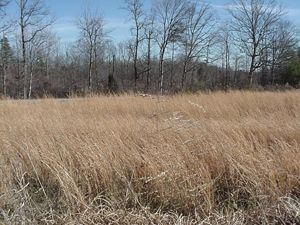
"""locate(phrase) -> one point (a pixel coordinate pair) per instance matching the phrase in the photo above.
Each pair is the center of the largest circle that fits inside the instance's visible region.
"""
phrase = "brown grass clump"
(220, 158)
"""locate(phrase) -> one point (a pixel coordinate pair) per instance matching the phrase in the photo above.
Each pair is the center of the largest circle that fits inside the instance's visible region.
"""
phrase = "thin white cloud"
(224, 7)
(118, 29)
(116, 23)
(65, 24)
(66, 29)
(63, 27)
(293, 12)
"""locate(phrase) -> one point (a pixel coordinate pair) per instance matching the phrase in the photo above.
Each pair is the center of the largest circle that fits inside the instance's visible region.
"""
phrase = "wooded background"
(178, 45)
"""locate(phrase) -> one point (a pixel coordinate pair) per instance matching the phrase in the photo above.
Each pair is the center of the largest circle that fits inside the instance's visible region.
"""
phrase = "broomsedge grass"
(217, 158)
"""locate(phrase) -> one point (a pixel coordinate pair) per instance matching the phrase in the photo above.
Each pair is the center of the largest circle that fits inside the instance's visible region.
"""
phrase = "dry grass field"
(219, 158)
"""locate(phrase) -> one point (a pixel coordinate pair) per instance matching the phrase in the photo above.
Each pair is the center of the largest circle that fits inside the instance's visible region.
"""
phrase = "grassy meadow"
(207, 158)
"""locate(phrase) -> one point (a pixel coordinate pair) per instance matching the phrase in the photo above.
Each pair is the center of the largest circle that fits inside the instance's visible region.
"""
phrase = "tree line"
(176, 45)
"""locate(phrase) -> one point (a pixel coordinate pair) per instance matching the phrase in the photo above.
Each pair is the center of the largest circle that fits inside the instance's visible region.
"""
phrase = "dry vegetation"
(221, 158)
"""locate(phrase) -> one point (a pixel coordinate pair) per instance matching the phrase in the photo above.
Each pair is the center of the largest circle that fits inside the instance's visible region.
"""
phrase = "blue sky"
(67, 11)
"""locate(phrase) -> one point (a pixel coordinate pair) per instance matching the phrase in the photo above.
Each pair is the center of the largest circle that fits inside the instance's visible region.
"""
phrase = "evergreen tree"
(5, 52)
(112, 84)
(293, 73)
(5, 58)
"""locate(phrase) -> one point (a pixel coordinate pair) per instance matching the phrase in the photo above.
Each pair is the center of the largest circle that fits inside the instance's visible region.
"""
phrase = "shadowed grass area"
(219, 158)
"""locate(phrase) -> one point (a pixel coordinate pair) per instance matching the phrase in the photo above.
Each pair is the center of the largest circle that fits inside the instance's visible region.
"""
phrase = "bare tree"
(199, 24)
(124, 57)
(135, 9)
(149, 32)
(37, 48)
(3, 22)
(91, 25)
(5, 48)
(251, 22)
(281, 44)
(170, 15)
(225, 40)
(34, 19)
(51, 46)
(3, 4)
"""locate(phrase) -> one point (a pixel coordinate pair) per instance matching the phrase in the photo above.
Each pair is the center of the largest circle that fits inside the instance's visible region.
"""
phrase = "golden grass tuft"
(218, 158)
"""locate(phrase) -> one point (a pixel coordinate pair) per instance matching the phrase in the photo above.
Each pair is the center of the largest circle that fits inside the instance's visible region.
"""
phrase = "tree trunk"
(24, 66)
(90, 70)
(250, 78)
(161, 71)
(47, 68)
(4, 81)
(252, 68)
(95, 63)
(172, 68)
(192, 81)
(30, 82)
(227, 66)
(183, 76)
(114, 64)
(273, 74)
(235, 79)
(135, 59)
(148, 62)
